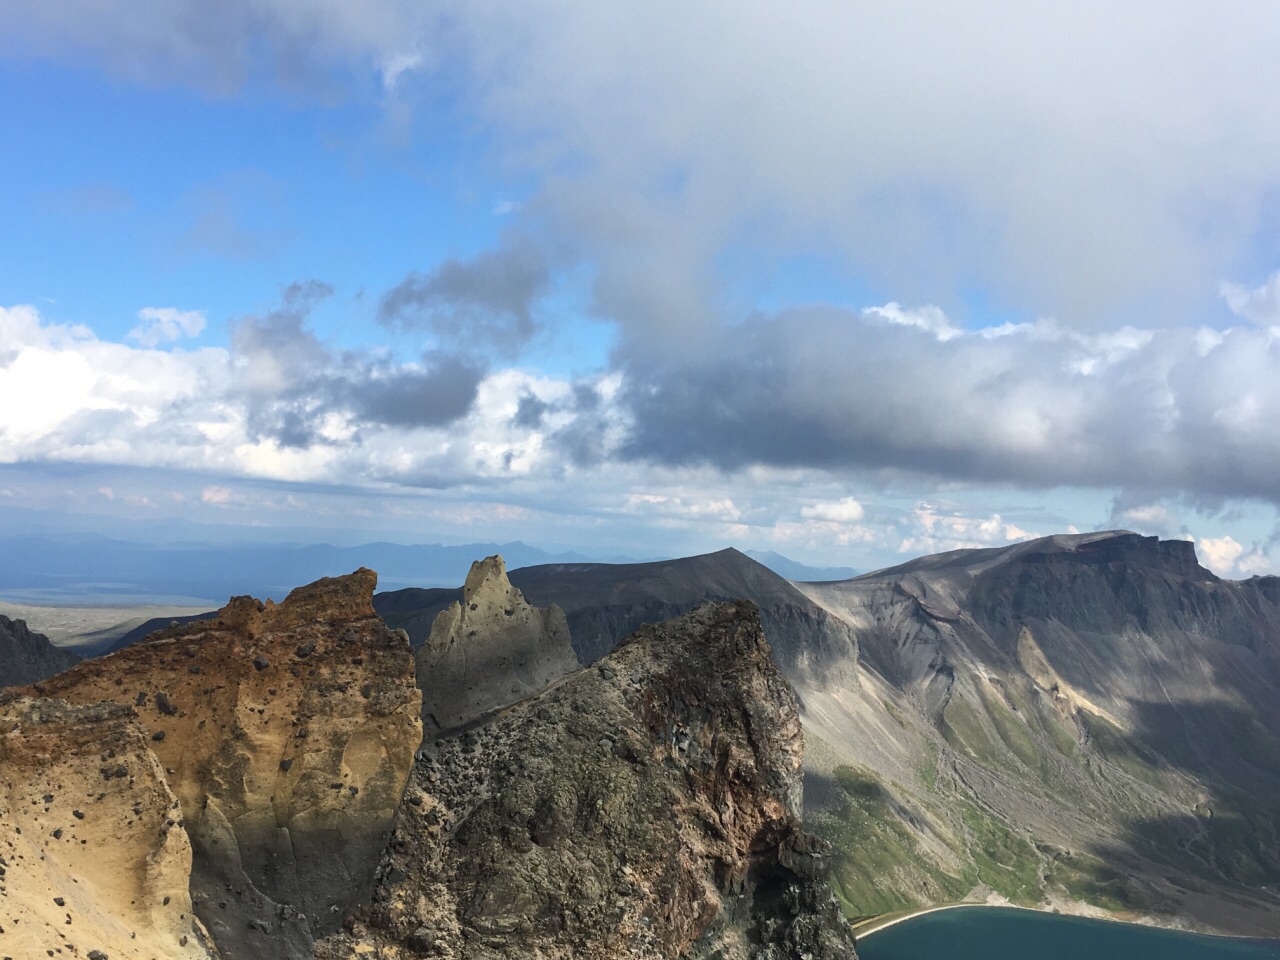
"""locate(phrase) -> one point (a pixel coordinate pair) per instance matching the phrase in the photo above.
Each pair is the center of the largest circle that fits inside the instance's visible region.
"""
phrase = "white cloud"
(845, 510)
(937, 531)
(1220, 553)
(1260, 305)
(1257, 562)
(929, 318)
(217, 495)
(1151, 518)
(166, 324)
(682, 508)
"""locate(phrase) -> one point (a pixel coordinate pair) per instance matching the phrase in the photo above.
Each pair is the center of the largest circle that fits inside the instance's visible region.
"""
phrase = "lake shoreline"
(883, 922)
(875, 924)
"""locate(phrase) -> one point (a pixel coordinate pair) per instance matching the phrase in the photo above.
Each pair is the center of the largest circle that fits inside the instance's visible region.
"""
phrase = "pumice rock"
(490, 650)
(111, 882)
(646, 806)
(288, 766)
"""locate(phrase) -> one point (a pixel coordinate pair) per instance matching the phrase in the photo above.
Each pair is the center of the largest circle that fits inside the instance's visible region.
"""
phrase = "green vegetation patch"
(877, 865)
(1003, 860)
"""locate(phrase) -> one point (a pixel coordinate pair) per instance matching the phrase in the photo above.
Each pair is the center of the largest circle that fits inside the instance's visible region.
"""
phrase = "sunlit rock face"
(287, 733)
(646, 806)
(489, 650)
(93, 854)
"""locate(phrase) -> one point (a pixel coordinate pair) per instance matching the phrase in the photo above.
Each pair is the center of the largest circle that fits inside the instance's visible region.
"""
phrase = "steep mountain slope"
(93, 857)
(605, 602)
(1078, 718)
(287, 733)
(647, 806)
(70, 568)
(26, 657)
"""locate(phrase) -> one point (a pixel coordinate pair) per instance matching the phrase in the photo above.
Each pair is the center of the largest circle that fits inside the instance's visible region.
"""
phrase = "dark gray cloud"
(485, 301)
(529, 412)
(292, 381)
(439, 392)
(830, 389)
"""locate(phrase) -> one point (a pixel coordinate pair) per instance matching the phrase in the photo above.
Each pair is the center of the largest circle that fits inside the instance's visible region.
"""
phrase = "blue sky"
(848, 283)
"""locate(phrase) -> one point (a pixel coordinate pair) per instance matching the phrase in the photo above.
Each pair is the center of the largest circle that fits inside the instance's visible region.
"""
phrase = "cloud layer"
(706, 176)
(1076, 160)
(825, 389)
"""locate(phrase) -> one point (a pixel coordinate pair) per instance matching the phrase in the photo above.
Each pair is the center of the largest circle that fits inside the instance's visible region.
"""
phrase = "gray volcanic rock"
(647, 806)
(489, 650)
(27, 657)
(287, 732)
(1087, 718)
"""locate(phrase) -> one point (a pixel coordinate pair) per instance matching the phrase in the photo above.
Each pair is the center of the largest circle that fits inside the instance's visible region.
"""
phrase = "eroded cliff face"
(490, 650)
(27, 657)
(93, 855)
(647, 806)
(287, 733)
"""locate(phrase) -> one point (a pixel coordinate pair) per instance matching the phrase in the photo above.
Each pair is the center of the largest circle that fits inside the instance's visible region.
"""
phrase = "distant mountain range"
(93, 570)
(785, 567)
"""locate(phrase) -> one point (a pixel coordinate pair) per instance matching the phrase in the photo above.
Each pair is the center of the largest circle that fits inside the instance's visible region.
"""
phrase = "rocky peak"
(487, 580)
(287, 732)
(331, 599)
(490, 650)
(646, 806)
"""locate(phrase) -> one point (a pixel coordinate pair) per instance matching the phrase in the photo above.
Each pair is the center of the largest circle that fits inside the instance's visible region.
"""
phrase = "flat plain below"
(73, 626)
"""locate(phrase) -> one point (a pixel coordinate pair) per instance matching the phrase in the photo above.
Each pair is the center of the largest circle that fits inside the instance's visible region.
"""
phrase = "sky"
(849, 281)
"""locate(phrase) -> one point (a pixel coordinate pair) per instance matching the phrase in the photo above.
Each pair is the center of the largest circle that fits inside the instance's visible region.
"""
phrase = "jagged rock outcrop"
(287, 733)
(604, 602)
(94, 860)
(27, 657)
(489, 650)
(647, 806)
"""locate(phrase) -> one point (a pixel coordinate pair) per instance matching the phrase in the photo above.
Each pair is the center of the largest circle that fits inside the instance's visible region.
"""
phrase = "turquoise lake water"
(988, 933)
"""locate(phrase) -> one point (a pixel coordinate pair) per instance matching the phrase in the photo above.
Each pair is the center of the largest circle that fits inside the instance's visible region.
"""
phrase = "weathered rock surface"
(647, 806)
(489, 650)
(27, 657)
(93, 855)
(1086, 718)
(287, 733)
